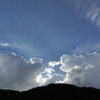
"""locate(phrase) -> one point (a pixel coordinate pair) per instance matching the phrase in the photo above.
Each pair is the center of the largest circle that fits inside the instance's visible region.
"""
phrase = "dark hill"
(53, 92)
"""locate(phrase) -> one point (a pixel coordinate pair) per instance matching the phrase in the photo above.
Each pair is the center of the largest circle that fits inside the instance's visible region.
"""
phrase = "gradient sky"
(51, 31)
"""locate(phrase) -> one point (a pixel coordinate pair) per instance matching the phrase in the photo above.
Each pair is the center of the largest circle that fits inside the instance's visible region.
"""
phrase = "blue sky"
(44, 28)
(49, 29)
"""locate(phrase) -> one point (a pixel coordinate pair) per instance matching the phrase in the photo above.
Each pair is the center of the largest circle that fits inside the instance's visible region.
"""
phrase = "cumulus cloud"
(48, 71)
(53, 63)
(55, 78)
(49, 76)
(17, 73)
(52, 78)
(82, 70)
(69, 61)
(89, 8)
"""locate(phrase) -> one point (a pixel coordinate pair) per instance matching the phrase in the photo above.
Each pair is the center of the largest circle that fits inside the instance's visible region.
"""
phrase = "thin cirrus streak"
(89, 8)
(88, 47)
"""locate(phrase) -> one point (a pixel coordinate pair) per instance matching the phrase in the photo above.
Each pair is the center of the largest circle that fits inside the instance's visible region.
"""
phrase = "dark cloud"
(17, 73)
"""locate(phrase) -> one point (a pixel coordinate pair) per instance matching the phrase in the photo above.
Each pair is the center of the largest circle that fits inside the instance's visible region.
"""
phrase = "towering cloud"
(82, 70)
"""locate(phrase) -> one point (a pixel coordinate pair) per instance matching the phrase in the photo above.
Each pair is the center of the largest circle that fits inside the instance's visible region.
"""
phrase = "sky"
(49, 41)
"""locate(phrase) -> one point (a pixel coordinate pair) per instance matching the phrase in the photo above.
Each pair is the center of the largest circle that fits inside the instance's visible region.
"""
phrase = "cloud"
(76, 3)
(88, 47)
(55, 78)
(49, 76)
(17, 73)
(89, 8)
(48, 71)
(69, 61)
(52, 78)
(53, 63)
(82, 70)
(4, 44)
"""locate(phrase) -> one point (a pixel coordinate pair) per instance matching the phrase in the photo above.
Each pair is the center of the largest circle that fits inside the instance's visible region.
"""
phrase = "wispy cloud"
(88, 47)
(89, 8)
(4, 44)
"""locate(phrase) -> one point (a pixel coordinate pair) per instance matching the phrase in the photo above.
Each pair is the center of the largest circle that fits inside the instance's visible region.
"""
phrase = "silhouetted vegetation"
(53, 92)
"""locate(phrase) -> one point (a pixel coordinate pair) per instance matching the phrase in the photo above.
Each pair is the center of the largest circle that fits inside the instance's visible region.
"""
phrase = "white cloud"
(4, 44)
(89, 67)
(49, 76)
(82, 70)
(45, 75)
(69, 61)
(48, 71)
(53, 63)
(36, 60)
(53, 78)
(17, 73)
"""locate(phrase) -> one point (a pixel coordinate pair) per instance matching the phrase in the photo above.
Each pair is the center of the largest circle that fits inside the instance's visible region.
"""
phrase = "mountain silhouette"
(53, 92)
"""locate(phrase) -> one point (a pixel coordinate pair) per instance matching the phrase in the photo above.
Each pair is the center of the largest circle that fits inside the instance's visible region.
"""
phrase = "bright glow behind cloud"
(80, 70)
(16, 73)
